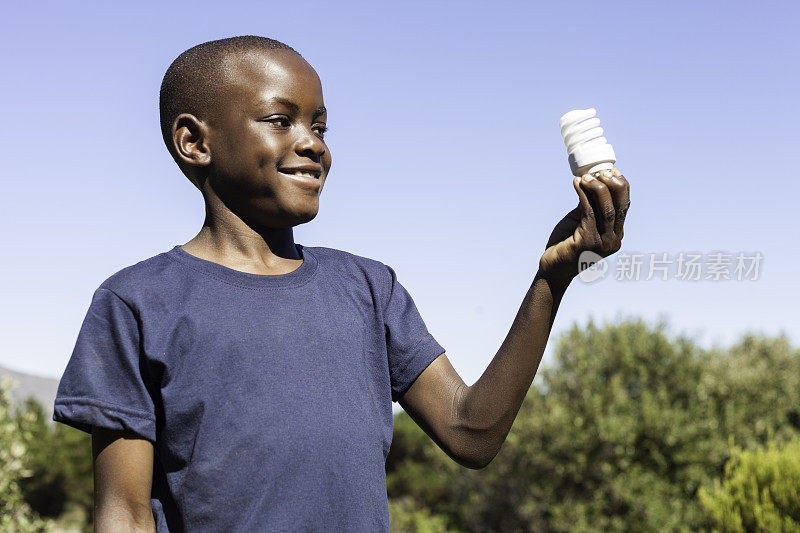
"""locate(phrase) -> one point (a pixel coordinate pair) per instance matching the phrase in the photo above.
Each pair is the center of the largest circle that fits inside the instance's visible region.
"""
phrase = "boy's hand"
(595, 225)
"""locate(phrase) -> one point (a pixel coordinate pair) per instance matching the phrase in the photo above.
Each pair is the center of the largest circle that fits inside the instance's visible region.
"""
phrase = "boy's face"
(269, 122)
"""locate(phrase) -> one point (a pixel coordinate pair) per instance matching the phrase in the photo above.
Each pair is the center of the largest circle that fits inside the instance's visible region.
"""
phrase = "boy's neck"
(270, 252)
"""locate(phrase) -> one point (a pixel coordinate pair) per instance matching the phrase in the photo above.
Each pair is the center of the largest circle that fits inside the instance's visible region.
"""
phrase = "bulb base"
(591, 157)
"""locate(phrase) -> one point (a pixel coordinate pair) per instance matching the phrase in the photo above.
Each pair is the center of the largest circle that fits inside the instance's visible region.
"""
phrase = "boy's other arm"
(470, 423)
(123, 477)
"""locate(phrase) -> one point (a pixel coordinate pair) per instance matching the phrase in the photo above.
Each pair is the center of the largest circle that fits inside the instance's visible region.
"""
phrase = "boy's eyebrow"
(294, 107)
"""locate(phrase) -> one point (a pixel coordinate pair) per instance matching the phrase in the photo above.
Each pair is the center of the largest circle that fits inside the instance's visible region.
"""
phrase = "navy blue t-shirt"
(268, 398)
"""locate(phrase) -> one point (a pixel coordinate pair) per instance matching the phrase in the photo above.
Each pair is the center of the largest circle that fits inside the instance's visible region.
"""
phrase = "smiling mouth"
(301, 173)
(308, 179)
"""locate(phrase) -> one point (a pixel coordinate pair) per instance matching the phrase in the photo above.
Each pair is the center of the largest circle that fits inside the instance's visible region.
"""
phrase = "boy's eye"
(281, 121)
(285, 123)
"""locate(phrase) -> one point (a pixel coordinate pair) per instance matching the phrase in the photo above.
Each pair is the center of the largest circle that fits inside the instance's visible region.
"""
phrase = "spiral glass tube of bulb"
(587, 149)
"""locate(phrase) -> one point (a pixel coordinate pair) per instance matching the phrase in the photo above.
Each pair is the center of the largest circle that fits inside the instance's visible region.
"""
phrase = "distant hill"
(41, 388)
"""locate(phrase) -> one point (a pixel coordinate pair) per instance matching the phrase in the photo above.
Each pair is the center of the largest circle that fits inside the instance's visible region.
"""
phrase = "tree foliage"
(759, 492)
(59, 460)
(617, 435)
(404, 515)
(15, 514)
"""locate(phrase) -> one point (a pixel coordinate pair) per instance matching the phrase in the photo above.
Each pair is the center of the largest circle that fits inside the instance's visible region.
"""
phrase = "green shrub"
(15, 514)
(407, 517)
(759, 492)
(59, 459)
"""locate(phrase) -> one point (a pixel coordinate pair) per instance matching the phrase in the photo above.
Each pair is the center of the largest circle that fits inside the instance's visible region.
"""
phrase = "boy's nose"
(309, 142)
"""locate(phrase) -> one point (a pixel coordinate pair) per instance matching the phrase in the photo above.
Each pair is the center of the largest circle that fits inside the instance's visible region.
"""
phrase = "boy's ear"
(190, 139)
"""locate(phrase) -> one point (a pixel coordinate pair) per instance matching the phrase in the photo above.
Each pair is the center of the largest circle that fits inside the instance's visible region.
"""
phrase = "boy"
(243, 382)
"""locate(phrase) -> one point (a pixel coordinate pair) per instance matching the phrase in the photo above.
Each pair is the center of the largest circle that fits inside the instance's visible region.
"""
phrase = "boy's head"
(242, 117)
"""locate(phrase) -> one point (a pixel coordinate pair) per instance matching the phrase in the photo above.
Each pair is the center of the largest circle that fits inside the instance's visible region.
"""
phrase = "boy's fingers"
(587, 213)
(623, 205)
(605, 212)
(619, 188)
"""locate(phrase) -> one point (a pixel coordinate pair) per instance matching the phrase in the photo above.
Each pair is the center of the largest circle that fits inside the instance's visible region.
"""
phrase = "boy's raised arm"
(123, 477)
(470, 423)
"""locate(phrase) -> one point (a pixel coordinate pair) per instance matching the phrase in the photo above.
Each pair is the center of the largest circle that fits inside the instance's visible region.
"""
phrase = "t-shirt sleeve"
(409, 345)
(105, 382)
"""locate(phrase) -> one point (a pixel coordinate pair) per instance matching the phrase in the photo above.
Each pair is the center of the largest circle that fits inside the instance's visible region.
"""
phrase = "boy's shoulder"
(343, 258)
(152, 274)
(352, 266)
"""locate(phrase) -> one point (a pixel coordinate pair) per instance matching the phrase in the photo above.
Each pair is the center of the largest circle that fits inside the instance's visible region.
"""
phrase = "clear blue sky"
(447, 159)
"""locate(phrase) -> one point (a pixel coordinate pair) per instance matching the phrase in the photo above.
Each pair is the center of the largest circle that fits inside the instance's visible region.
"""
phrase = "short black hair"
(191, 81)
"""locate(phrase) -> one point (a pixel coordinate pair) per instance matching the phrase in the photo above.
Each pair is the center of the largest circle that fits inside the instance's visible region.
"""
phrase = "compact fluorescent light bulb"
(587, 148)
